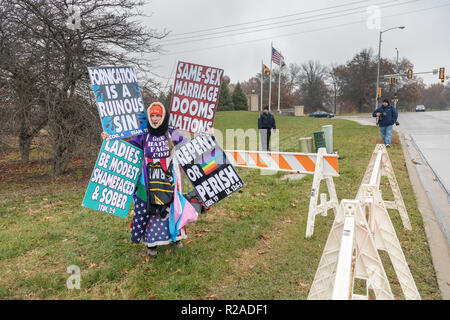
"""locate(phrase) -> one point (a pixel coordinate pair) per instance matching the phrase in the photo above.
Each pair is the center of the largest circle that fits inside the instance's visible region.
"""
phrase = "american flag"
(276, 56)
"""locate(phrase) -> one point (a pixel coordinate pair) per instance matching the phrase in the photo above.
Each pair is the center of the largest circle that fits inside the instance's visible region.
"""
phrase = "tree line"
(348, 87)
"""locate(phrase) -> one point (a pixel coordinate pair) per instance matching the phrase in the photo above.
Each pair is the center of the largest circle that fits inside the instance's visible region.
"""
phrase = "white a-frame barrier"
(349, 253)
(380, 165)
(324, 206)
(386, 238)
(361, 228)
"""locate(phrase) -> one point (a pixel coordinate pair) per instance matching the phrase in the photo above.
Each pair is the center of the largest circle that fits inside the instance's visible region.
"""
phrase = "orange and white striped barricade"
(322, 165)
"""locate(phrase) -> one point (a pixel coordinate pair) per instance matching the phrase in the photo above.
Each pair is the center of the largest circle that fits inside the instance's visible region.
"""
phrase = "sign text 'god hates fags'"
(195, 96)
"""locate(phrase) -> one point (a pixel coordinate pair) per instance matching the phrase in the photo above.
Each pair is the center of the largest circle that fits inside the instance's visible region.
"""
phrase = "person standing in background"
(266, 122)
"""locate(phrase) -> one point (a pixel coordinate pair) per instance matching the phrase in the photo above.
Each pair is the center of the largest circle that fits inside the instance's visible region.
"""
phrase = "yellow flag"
(266, 70)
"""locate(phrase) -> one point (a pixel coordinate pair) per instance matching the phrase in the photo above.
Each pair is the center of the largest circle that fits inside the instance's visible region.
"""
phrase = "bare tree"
(357, 81)
(21, 65)
(313, 91)
(106, 32)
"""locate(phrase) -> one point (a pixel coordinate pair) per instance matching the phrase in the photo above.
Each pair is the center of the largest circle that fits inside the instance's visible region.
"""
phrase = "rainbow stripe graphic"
(209, 164)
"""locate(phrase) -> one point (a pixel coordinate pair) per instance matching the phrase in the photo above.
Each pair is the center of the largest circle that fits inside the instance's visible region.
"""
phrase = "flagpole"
(279, 82)
(270, 75)
(262, 80)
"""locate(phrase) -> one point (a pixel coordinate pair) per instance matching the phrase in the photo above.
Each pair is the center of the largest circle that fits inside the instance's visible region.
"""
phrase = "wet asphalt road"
(431, 133)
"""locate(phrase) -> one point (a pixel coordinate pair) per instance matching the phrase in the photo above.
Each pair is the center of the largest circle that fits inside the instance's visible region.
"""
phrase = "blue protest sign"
(114, 178)
(119, 101)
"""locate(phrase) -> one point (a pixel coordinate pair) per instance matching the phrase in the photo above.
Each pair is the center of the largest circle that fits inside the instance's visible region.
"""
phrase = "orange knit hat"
(155, 109)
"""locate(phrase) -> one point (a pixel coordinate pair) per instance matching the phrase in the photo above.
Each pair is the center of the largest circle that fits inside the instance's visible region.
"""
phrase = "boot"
(178, 244)
(152, 252)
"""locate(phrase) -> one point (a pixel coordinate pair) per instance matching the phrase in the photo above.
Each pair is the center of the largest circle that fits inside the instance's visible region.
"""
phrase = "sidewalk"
(439, 247)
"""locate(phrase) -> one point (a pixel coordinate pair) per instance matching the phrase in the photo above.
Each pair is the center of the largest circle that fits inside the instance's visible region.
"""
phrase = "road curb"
(439, 248)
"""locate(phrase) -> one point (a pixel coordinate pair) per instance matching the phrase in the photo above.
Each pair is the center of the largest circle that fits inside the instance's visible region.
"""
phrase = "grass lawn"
(248, 246)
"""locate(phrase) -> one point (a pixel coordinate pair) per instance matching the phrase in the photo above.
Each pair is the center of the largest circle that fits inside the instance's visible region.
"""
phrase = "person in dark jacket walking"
(387, 116)
(266, 122)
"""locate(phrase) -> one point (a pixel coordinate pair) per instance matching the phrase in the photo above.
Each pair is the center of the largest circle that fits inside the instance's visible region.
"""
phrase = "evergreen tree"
(225, 102)
(168, 99)
(239, 98)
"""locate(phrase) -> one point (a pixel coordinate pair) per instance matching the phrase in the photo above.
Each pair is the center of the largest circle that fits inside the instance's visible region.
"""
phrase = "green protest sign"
(114, 178)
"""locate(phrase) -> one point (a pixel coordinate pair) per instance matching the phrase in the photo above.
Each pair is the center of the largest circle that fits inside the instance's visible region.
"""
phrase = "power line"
(302, 32)
(165, 41)
(288, 25)
(267, 19)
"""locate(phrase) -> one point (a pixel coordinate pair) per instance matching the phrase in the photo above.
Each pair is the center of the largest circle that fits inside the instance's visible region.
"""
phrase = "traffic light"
(379, 92)
(442, 74)
(410, 74)
(394, 80)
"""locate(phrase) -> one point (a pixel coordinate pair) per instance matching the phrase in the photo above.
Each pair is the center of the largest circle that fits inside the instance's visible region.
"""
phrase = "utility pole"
(378, 72)
(270, 76)
(262, 81)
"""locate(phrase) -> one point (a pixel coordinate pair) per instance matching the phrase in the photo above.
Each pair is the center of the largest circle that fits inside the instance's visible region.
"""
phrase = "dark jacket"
(388, 115)
(266, 121)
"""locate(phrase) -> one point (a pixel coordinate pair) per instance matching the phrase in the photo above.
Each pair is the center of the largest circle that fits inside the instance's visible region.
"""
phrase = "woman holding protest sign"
(155, 190)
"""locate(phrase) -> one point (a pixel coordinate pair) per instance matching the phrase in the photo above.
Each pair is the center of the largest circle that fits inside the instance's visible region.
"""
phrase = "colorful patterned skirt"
(152, 229)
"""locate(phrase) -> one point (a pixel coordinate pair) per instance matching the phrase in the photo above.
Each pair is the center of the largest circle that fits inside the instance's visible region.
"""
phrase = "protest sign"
(195, 96)
(208, 169)
(119, 101)
(114, 178)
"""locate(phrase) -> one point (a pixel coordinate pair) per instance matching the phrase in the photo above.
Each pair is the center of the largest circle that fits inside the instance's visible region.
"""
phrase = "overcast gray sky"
(334, 35)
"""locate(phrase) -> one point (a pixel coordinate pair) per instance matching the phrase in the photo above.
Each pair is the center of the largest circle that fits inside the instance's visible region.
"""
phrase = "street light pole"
(396, 84)
(379, 62)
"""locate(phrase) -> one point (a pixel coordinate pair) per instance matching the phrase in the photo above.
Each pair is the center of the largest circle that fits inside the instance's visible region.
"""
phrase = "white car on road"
(420, 107)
